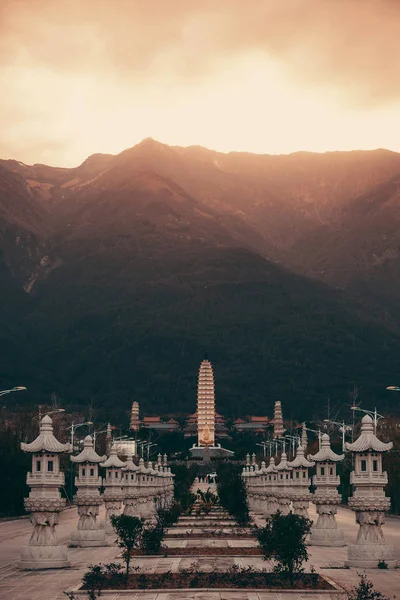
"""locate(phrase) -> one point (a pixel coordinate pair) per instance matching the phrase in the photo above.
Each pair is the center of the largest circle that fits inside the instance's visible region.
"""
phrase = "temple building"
(251, 423)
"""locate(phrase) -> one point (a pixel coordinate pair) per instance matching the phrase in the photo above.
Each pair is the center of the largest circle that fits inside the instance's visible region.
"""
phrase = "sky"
(79, 77)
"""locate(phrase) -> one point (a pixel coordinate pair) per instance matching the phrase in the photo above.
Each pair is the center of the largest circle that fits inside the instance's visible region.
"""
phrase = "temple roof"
(367, 439)
(325, 454)
(113, 460)
(46, 442)
(300, 460)
(88, 453)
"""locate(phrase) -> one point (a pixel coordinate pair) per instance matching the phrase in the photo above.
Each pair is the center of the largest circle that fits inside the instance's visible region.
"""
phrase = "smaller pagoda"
(88, 499)
(45, 502)
(325, 531)
(369, 501)
(113, 482)
(300, 483)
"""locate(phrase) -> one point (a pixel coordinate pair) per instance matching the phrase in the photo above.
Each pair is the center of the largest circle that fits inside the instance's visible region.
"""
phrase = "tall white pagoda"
(206, 447)
(206, 405)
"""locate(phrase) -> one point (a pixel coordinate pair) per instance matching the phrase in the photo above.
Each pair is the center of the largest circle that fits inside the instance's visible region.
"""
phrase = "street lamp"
(342, 428)
(73, 427)
(148, 450)
(264, 446)
(318, 432)
(17, 388)
(50, 412)
(371, 413)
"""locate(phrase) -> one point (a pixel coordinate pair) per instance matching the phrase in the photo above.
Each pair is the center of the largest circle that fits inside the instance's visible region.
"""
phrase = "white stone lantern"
(45, 502)
(283, 485)
(88, 499)
(325, 531)
(145, 504)
(113, 482)
(369, 501)
(271, 486)
(300, 483)
(130, 488)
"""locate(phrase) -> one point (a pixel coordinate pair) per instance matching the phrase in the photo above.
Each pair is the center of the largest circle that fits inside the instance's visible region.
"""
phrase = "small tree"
(365, 591)
(283, 539)
(128, 530)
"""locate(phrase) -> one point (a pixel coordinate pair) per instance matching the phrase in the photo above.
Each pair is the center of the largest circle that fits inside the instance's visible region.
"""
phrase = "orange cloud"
(96, 75)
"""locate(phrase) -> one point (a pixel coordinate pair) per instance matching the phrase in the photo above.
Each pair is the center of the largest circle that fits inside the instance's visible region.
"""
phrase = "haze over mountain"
(122, 271)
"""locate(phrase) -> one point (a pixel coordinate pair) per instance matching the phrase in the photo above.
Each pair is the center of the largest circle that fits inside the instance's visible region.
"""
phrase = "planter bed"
(204, 551)
(205, 535)
(252, 580)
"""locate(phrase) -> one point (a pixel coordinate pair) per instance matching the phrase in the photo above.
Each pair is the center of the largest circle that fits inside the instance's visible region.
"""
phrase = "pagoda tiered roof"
(113, 460)
(325, 454)
(46, 442)
(300, 460)
(368, 440)
(88, 453)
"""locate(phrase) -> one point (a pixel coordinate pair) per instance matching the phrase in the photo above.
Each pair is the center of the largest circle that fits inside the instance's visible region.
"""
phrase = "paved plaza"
(50, 584)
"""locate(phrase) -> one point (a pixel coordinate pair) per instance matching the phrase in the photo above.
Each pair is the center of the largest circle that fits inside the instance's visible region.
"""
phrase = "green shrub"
(129, 530)
(232, 492)
(283, 539)
(365, 591)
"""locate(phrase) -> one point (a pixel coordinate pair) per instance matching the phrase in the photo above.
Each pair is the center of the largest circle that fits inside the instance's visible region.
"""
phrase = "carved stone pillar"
(325, 531)
(369, 501)
(45, 502)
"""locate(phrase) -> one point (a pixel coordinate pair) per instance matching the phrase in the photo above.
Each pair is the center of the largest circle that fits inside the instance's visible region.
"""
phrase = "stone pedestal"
(113, 507)
(325, 531)
(43, 551)
(370, 547)
(300, 506)
(88, 532)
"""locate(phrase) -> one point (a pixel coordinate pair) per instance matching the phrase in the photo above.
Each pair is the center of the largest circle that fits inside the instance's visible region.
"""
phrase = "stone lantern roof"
(113, 460)
(368, 440)
(283, 465)
(325, 454)
(130, 465)
(88, 454)
(142, 467)
(271, 467)
(300, 460)
(46, 442)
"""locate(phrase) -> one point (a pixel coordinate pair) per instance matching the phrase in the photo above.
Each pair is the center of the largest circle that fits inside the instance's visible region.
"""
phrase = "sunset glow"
(265, 76)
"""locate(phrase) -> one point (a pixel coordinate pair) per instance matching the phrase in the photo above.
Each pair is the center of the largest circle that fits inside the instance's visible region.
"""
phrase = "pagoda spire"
(278, 420)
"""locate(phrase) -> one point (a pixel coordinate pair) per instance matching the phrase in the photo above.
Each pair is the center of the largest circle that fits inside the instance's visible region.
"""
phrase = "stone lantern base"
(326, 537)
(43, 557)
(368, 556)
(86, 538)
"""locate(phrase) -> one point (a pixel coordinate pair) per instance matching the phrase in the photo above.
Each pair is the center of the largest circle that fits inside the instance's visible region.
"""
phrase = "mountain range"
(120, 273)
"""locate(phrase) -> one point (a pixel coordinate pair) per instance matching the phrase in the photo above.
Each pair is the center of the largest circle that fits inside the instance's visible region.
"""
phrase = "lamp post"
(50, 412)
(318, 432)
(371, 413)
(148, 450)
(74, 426)
(17, 388)
(342, 428)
